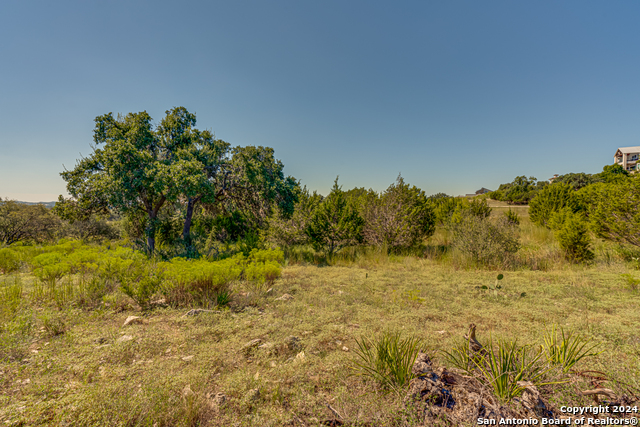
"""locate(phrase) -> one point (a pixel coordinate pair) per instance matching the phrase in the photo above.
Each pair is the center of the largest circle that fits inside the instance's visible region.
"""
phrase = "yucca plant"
(387, 360)
(501, 366)
(566, 349)
(507, 364)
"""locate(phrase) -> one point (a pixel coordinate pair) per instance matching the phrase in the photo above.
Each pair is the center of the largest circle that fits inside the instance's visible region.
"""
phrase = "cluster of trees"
(522, 189)
(180, 188)
(173, 176)
(399, 217)
(604, 203)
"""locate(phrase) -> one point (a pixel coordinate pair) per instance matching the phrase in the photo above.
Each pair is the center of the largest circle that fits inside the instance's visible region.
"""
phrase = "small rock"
(284, 297)
(300, 357)
(441, 332)
(270, 290)
(124, 338)
(273, 364)
(293, 343)
(248, 347)
(187, 358)
(133, 320)
(345, 348)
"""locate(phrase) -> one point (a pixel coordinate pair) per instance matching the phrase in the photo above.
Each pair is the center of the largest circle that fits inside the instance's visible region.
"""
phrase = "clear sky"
(454, 95)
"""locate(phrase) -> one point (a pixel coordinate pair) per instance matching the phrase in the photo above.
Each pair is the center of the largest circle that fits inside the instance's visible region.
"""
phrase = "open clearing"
(169, 369)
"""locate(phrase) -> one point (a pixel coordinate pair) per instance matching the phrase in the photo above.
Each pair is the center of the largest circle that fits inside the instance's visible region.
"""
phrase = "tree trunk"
(186, 231)
(151, 233)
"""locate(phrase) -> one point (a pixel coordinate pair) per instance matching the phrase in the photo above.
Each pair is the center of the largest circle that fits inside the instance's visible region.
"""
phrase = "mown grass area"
(65, 365)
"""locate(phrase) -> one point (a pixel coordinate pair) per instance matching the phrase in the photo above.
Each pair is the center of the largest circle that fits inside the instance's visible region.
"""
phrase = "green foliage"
(501, 366)
(522, 189)
(566, 349)
(613, 174)
(573, 235)
(50, 267)
(507, 364)
(387, 360)
(205, 283)
(512, 217)
(486, 242)
(9, 261)
(26, 223)
(616, 213)
(577, 180)
(140, 282)
(53, 325)
(288, 231)
(478, 207)
(10, 299)
(401, 217)
(631, 281)
(450, 210)
(335, 223)
(549, 201)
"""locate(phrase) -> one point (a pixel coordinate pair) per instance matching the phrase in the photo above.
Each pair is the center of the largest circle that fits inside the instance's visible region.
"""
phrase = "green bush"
(512, 217)
(140, 283)
(486, 242)
(205, 283)
(549, 201)
(9, 261)
(335, 223)
(401, 217)
(573, 235)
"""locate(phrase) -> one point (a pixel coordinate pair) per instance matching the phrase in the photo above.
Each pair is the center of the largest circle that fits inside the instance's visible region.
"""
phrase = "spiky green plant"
(567, 349)
(387, 360)
(501, 366)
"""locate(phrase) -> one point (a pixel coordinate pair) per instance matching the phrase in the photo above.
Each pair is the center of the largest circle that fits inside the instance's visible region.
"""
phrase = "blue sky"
(453, 95)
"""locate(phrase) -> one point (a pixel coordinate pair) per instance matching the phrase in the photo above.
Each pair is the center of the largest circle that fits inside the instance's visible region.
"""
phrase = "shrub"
(288, 231)
(335, 223)
(512, 217)
(9, 261)
(616, 214)
(573, 235)
(549, 201)
(401, 217)
(631, 281)
(206, 283)
(388, 360)
(486, 242)
(140, 283)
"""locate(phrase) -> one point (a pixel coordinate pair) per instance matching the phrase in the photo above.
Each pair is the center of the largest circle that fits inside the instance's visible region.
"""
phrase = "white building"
(627, 157)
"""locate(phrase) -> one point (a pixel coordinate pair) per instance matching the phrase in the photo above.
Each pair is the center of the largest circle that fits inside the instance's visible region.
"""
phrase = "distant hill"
(46, 204)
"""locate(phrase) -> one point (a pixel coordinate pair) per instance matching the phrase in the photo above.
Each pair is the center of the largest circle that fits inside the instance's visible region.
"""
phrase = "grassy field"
(71, 366)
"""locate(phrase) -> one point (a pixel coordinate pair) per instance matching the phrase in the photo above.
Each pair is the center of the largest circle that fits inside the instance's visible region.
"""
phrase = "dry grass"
(168, 370)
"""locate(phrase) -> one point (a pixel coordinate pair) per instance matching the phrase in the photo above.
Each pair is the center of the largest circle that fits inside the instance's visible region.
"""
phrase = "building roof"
(627, 150)
(483, 190)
